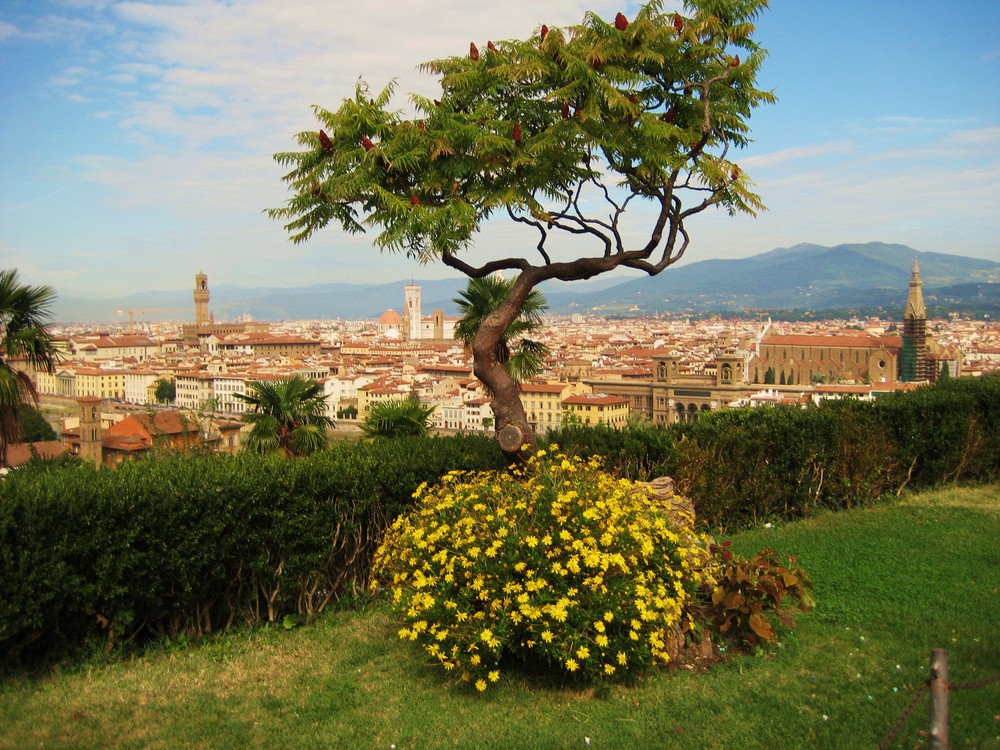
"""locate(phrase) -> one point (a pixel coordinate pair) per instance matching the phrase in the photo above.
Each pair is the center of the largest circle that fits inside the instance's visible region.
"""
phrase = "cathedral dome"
(390, 318)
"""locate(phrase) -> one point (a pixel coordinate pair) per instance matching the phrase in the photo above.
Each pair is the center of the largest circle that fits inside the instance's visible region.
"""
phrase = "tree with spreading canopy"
(610, 134)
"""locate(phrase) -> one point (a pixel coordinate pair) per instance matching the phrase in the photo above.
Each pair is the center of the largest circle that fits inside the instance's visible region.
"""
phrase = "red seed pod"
(565, 110)
(437, 102)
(324, 141)
(473, 52)
(727, 556)
(736, 172)
(736, 61)
(621, 23)
(491, 47)
(414, 200)
(678, 23)
(420, 124)
(671, 114)
(454, 187)
(633, 98)
(544, 33)
(317, 190)
(517, 133)
(367, 143)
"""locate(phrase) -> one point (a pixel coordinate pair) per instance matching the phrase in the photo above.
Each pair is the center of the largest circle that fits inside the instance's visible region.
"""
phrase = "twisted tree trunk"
(514, 434)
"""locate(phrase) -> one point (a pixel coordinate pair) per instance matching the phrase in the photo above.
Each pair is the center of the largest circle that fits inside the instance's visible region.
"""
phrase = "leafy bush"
(749, 593)
(182, 545)
(559, 565)
(741, 467)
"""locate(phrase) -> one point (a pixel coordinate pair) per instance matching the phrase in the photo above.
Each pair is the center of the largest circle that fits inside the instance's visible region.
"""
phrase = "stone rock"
(661, 493)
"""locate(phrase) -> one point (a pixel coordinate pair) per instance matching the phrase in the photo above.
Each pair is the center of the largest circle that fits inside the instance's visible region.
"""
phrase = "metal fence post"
(938, 734)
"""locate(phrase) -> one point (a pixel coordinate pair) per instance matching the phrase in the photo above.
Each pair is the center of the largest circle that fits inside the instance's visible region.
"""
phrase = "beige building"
(194, 389)
(100, 383)
(592, 409)
(543, 403)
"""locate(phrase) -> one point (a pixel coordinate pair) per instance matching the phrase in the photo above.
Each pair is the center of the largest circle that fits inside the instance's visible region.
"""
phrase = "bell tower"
(914, 364)
(201, 317)
(91, 446)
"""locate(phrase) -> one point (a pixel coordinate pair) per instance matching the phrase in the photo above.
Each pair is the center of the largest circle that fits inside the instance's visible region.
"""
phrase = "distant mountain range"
(869, 276)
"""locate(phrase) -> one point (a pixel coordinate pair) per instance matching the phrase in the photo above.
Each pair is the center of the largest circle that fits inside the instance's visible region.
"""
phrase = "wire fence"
(939, 687)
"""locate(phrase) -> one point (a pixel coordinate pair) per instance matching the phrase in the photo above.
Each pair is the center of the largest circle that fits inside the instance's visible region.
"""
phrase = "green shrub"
(182, 545)
(748, 594)
(640, 452)
(561, 566)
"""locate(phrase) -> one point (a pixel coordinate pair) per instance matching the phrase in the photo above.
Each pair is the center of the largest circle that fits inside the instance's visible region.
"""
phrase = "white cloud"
(797, 154)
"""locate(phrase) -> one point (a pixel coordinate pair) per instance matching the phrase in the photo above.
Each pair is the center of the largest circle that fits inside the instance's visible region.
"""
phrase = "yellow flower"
(571, 665)
(474, 660)
(494, 675)
(547, 636)
(601, 640)
(583, 652)
(622, 659)
(531, 541)
(480, 685)
(609, 669)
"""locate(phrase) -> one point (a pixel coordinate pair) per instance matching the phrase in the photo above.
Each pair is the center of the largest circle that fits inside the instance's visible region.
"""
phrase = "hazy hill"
(804, 276)
(808, 276)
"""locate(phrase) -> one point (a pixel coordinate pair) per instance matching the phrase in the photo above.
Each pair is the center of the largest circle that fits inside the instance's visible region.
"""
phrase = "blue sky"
(136, 137)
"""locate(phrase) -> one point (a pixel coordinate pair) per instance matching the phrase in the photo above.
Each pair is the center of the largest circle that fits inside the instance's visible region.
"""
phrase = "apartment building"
(592, 409)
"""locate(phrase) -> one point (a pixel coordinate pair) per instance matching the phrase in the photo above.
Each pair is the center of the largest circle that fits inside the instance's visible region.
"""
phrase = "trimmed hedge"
(188, 544)
(743, 466)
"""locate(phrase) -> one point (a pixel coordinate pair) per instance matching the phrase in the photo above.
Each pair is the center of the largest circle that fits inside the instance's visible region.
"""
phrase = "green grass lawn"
(891, 583)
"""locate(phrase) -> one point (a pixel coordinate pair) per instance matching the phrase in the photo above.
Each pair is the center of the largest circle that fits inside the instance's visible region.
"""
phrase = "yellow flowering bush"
(557, 564)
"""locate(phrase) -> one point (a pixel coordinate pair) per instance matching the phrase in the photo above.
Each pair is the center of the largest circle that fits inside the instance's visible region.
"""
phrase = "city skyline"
(137, 137)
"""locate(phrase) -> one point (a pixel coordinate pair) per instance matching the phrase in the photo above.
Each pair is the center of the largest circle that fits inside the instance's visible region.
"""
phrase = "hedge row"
(743, 466)
(194, 543)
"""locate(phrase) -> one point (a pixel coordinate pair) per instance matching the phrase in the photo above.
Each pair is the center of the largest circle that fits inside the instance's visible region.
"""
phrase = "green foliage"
(189, 544)
(535, 128)
(24, 314)
(482, 297)
(166, 391)
(286, 415)
(742, 467)
(642, 452)
(560, 567)
(398, 417)
(749, 593)
(561, 132)
(34, 428)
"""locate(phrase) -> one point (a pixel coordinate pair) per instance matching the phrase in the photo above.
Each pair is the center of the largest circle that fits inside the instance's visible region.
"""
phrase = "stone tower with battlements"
(201, 316)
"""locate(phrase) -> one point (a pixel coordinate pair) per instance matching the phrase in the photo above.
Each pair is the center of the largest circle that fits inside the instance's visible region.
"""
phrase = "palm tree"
(483, 296)
(398, 417)
(287, 415)
(24, 313)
